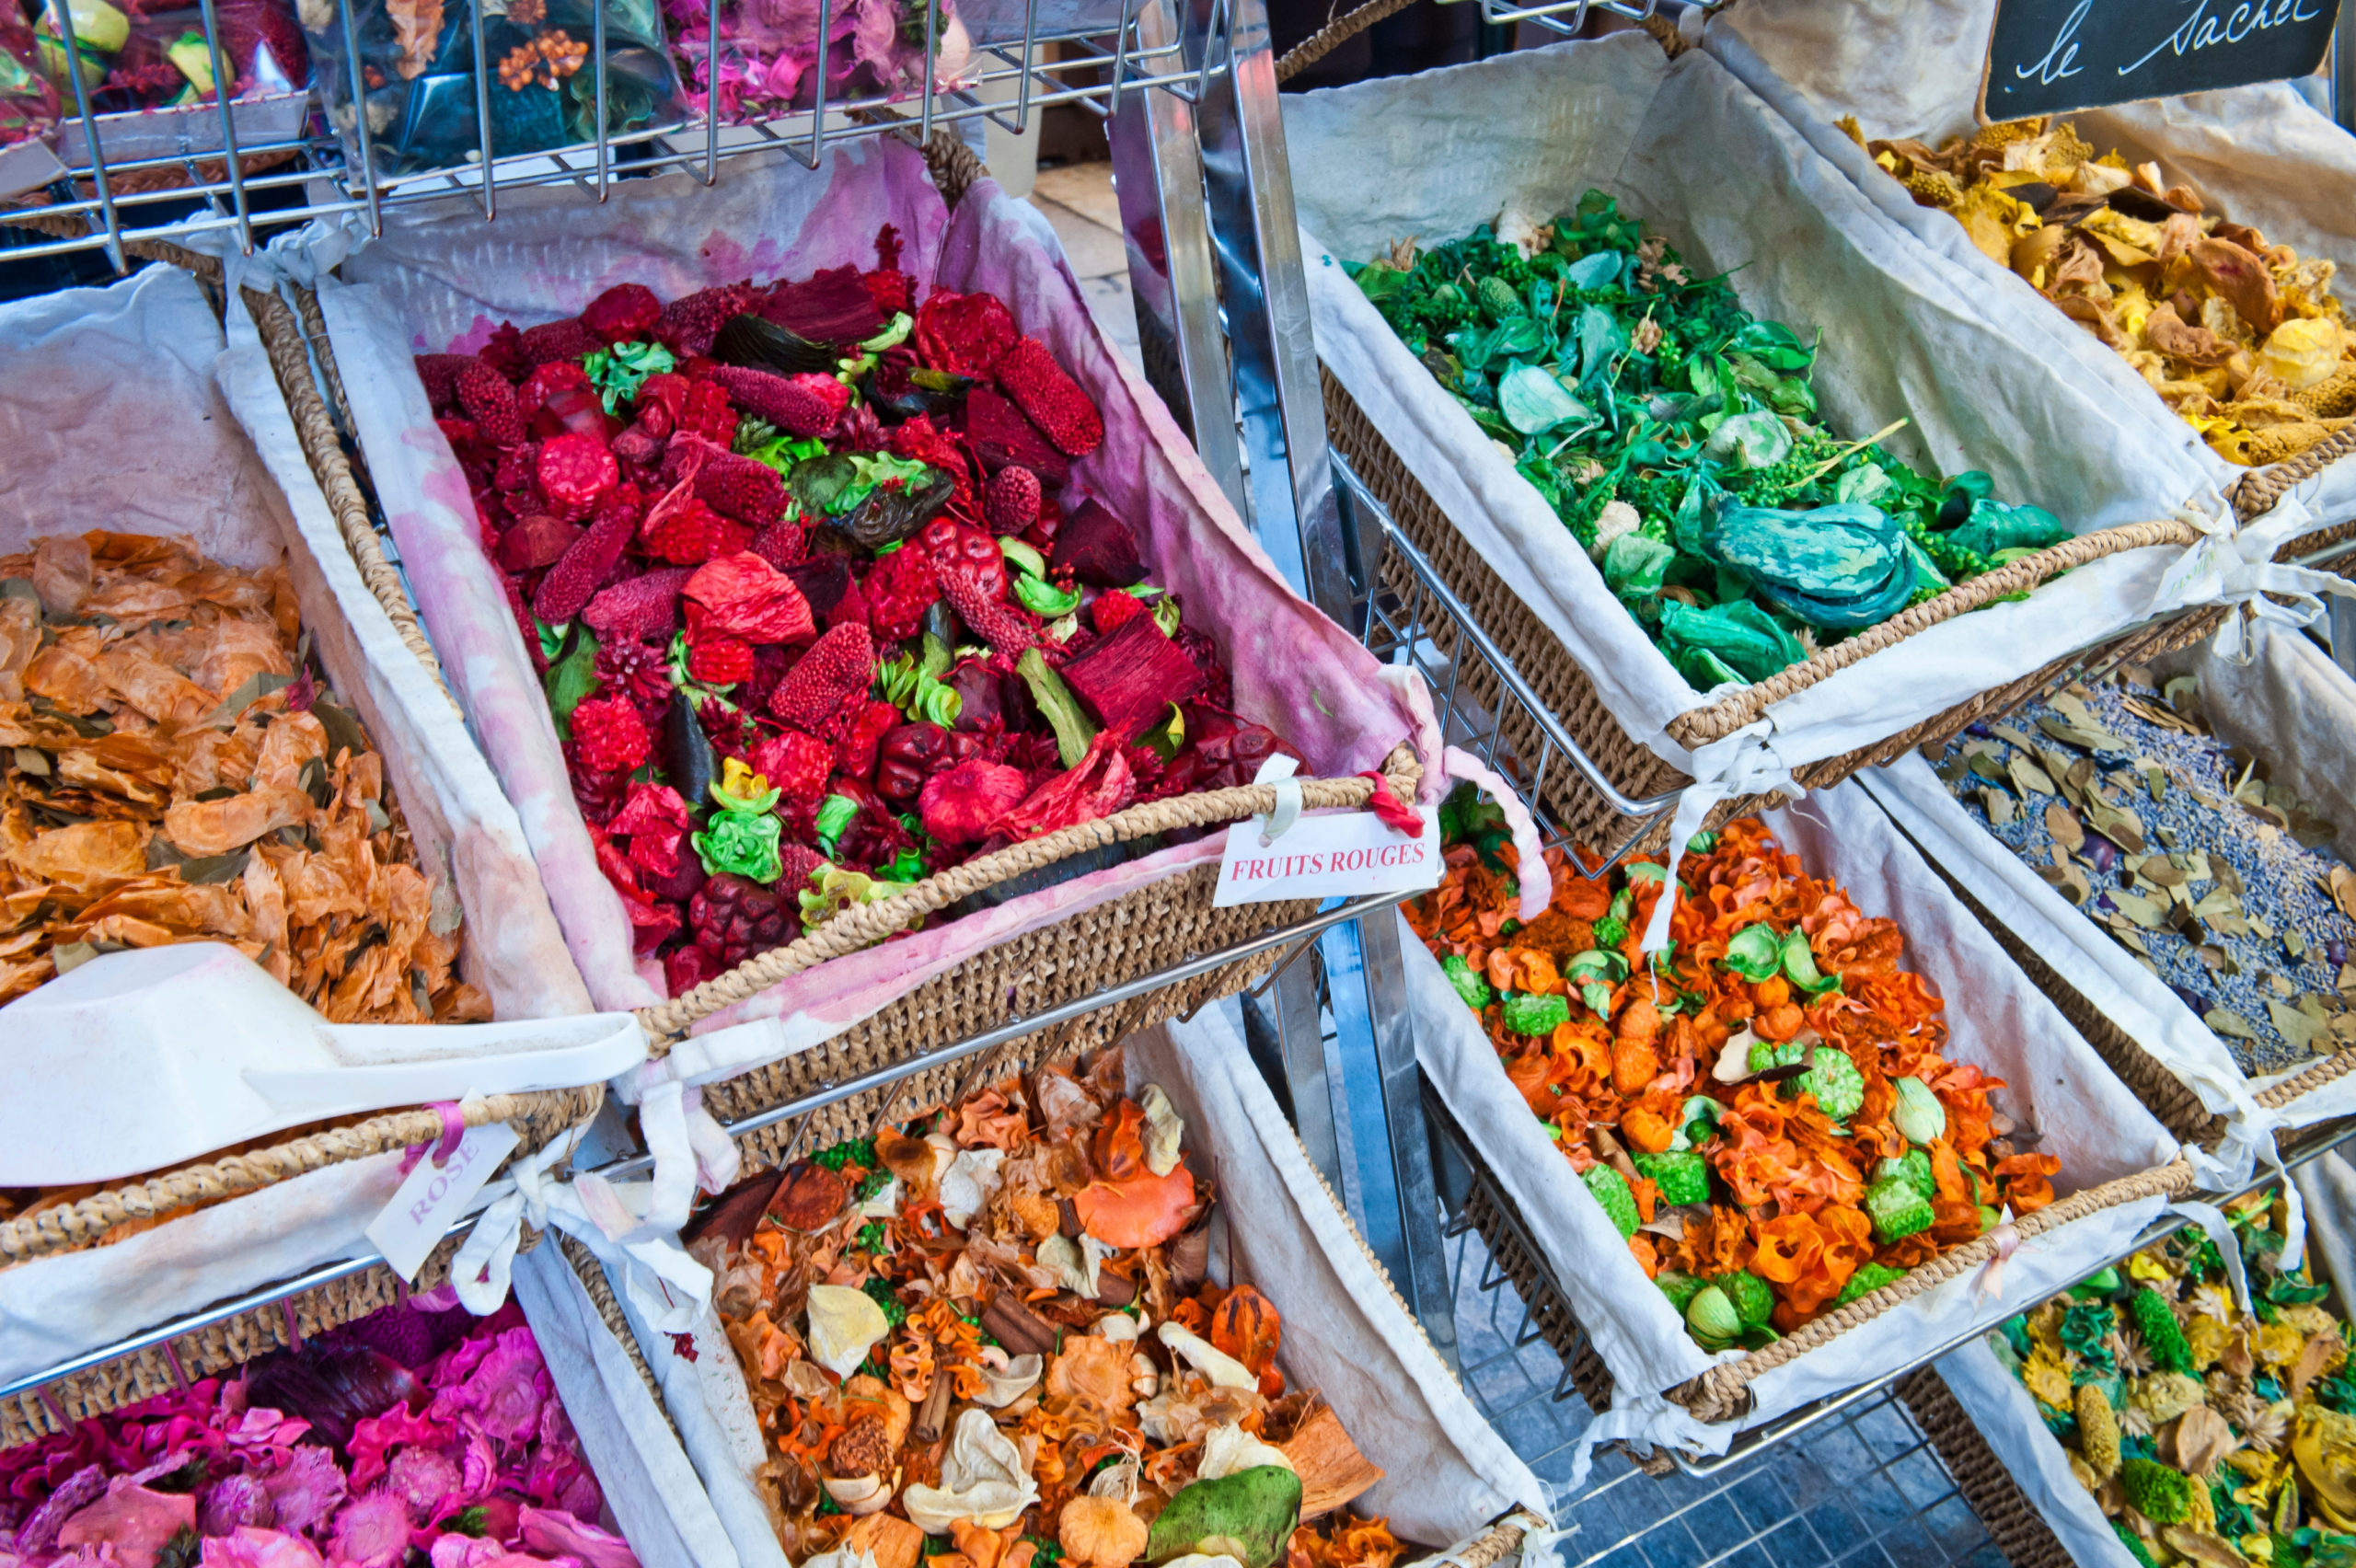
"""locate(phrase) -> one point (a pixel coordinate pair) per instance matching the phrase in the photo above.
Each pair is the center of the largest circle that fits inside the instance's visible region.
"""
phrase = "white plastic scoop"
(143, 1059)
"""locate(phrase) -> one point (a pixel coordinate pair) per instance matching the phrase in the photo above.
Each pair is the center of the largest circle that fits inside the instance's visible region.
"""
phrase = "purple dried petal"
(2101, 851)
(235, 1500)
(2191, 998)
(1980, 731)
(2103, 902)
(2336, 951)
(85, 1487)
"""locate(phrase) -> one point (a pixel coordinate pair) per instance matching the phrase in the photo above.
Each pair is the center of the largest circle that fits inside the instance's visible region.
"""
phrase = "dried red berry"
(625, 313)
(964, 334)
(817, 693)
(608, 736)
(691, 534)
(554, 376)
(1050, 397)
(1010, 504)
(688, 326)
(575, 472)
(796, 764)
(709, 413)
(567, 339)
(490, 403)
(567, 588)
(736, 487)
(898, 591)
(855, 758)
(782, 544)
(808, 404)
(1113, 609)
(714, 658)
(440, 374)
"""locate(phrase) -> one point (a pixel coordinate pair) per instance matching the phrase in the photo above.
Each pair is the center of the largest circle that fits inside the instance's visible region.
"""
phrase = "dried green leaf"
(2302, 1032)
(2231, 1023)
(2002, 808)
(2149, 914)
(2030, 778)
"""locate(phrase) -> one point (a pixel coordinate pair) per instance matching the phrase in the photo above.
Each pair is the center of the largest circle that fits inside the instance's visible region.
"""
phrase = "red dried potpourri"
(168, 774)
(808, 558)
(995, 1324)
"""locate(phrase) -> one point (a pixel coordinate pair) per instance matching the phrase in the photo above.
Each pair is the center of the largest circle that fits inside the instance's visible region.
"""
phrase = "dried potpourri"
(2220, 883)
(2244, 338)
(819, 609)
(2207, 1435)
(175, 768)
(154, 54)
(987, 1340)
(769, 52)
(416, 1437)
(1677, 437)
(1767, 1115)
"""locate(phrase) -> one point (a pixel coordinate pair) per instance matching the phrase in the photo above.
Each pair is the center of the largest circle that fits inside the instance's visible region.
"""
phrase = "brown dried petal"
(214, 827)
(810, 1198)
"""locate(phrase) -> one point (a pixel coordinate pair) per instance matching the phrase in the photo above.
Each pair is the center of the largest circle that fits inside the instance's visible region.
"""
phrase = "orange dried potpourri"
(168, 774)
(1767, 1115)
(995, 1328)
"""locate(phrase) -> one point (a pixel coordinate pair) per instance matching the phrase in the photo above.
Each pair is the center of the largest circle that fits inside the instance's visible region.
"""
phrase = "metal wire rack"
(1565, 16)
(1485, 706)
(237, 170)
(1866, 1491)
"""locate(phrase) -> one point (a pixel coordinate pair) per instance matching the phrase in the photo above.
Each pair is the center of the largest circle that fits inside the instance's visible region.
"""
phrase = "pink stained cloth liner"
(1293, 667)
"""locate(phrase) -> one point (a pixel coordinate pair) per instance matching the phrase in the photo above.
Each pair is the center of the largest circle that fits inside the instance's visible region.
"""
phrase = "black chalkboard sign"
(2052, 56)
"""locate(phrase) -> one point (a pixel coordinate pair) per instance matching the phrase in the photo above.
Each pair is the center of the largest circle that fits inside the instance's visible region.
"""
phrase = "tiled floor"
(1863, 1490)
(1077, 199)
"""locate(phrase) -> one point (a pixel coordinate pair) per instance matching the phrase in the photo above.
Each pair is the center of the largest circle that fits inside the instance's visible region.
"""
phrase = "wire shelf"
(1565, 16)
(231, 171)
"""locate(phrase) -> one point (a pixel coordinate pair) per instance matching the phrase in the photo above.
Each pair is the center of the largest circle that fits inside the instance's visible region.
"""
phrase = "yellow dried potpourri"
(2242, 338)
(168, 774)
(989, 1340)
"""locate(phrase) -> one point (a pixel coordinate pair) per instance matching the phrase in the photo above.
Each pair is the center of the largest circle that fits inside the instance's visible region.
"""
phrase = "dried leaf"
(2018, 737)
(416, 25)
(2070, 881)
(2062, 823)
(2030, 778)
(2341, 885)
(2002, 809)
(2149, 914)
(2231, 1023)
(2302, 1031)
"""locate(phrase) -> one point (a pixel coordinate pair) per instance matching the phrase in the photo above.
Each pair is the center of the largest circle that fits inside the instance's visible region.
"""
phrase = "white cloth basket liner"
(1689, 149)
(1346, 1335)
(1997, 1020)
(2262, 155)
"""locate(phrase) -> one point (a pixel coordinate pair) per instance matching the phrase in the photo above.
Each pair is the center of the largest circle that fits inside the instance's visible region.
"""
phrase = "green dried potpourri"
(2215, 879)
(1677, 436)
(2205, 1434)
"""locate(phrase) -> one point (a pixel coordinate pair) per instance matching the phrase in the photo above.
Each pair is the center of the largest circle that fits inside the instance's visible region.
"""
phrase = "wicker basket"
(1116, 944)
(1576, 809)
(1722, 1393)
(760, 1150)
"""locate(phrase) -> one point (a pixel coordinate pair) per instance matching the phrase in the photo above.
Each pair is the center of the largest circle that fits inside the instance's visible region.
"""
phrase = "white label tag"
(433, 1197)
(1348, 855)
